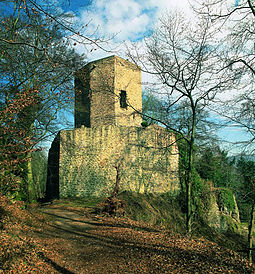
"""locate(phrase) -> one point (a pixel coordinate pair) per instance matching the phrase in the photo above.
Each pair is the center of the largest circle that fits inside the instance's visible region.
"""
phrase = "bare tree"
(37, 54)
(236, 22)
(183, 55)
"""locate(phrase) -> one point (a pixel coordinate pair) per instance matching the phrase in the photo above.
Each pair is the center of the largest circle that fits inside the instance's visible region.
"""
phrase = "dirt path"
(63, 239)
(70, 220)
(90, 244)
(87, 246)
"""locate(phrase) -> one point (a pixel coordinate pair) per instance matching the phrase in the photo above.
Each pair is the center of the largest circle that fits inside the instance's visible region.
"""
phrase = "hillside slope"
(63, 239)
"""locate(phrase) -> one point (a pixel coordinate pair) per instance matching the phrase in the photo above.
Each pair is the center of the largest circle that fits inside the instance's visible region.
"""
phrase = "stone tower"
(108, 134)
(108, 92)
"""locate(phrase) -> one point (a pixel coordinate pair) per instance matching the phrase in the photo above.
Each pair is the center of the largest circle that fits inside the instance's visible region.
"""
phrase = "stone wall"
(148, 159)
(94, 94)
(108, 134)
(97, 93)
(128, 78)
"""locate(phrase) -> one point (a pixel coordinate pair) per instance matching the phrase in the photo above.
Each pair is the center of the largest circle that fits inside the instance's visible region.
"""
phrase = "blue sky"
(126, 20)
(75, 5)
(130, 21)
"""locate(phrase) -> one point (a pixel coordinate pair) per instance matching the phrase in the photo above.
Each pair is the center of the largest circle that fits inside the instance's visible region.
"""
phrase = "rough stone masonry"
(108, 134)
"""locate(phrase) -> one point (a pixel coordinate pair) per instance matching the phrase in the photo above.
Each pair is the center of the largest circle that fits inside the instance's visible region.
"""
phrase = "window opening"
(123, 99)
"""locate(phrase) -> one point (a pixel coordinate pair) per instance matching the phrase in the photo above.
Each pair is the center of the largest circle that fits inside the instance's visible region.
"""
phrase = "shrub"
(144, 124)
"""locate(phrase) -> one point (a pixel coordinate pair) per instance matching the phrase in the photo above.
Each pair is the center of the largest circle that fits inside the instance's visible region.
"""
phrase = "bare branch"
(96, 42)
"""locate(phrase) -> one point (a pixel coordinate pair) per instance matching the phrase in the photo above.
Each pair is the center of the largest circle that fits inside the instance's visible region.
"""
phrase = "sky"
(128, 21)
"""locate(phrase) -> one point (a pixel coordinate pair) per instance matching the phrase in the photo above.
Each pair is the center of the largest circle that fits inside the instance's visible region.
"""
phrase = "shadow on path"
(54, 265)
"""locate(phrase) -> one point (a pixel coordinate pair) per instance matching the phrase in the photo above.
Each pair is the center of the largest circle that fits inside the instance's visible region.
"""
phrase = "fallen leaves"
(73, 242)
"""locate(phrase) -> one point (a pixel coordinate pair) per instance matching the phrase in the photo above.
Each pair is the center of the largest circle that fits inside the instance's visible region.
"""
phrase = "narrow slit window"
(123, 99)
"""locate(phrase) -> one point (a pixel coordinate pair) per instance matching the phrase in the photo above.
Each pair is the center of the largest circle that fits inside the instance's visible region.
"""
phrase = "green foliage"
(197, 183)
(152, 107)
(197, 191)
(144, 124)
(37, 67)
(39, 173)
(246, 187)
(214, 165)
(21, 194)
(201, 196)
(247, 169)
(88, 179)
(232, 227)
(84, 202)
(162, 209)
(225, 198)
(183, 159)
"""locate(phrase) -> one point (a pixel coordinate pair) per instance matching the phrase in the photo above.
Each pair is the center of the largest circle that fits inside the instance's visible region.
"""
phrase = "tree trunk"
(250, 231)
(188, 204)
(117, 182)
(188, 178)
(188, 183)
(30, 183)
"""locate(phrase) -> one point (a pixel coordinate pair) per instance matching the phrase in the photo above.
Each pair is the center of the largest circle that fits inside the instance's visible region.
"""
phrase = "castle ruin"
(108, 136)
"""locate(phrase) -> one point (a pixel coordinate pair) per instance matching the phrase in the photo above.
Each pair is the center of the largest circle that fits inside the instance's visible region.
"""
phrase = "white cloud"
(129, 19)
(170, 4)
(126, 20)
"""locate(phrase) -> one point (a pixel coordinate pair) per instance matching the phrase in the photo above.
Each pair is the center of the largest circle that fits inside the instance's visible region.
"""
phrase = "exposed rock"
(220, 215)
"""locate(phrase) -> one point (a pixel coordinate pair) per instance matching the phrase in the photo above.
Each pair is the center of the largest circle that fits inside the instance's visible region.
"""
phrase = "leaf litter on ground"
(59, 239)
